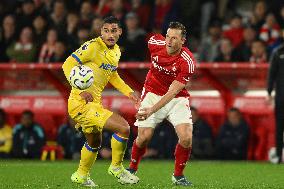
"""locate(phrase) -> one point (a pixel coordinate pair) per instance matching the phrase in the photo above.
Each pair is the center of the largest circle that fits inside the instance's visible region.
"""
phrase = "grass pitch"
(153, 174)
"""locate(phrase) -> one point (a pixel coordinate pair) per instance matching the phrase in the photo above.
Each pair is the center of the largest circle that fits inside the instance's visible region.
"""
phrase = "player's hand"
(87, 96)
(269, 99)
(134, 97)
(144, 113)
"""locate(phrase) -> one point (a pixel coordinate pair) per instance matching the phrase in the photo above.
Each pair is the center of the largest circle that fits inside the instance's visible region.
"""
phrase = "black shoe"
(181, 181)
(132, 171)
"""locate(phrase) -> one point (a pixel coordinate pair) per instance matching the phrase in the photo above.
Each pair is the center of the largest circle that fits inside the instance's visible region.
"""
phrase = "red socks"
(181, 157)
(136, 156)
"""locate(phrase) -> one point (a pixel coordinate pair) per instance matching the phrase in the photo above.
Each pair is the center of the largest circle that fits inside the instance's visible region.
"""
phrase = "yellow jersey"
(6, 138)
(104, 63)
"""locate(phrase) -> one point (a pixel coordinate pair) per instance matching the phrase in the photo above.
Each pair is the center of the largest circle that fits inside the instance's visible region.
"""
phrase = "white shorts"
(177, 111)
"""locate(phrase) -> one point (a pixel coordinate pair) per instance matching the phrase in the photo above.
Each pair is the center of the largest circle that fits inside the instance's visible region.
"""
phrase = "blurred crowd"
(27, 139)
(218, 30)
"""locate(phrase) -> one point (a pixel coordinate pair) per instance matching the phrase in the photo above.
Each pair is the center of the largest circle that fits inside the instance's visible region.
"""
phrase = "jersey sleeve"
(156, 42)
(187, 67)
(84, 53)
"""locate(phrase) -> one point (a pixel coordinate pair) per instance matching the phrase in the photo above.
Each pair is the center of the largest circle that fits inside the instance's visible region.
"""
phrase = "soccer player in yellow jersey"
(84, 106)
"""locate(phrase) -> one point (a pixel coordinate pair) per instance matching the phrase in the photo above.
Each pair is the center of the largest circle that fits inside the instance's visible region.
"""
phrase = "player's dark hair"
(111, 20)
(28, 113)
(179, 26)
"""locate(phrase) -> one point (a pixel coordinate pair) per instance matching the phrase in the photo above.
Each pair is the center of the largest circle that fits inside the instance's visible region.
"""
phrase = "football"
(81, 77)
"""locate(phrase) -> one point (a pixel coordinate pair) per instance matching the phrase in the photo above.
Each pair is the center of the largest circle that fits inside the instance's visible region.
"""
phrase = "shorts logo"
(97, 114)
(110, 67)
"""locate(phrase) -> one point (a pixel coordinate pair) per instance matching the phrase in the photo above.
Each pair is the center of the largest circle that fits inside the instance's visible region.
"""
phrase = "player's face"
(174, 41)
(110, 34)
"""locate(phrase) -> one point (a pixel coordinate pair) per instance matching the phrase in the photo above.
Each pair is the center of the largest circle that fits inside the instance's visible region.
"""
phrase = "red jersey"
(166, 68)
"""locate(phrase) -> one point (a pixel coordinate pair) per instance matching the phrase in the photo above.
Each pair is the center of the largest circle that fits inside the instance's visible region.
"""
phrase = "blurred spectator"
(24, 50)
(70, 139)
(243, 51)
(24, 19)
(86, 14)
(208, 51)
(59, 54)
(258, 16)
(258, 52)
(119, 10)
(189, 11)
(5, 136)
(40, 28)
(82, 36)
(28, 137)
(72, 23)
(163, 142)
(232, 139)
(48, 48)
(270, 32)
(202, 141)
(103, 7)
(165, 11)
(133, 42)
(162, 8)
(46, 7)
(96, 27)
(7, 36)
(143, 11)
(58, 17)
(226, 53)
(72, 28)
(208, 7)
(235, 31)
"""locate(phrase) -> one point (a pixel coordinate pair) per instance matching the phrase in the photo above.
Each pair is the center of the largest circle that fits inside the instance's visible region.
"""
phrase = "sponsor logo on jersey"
(107, 66)
(161, 68)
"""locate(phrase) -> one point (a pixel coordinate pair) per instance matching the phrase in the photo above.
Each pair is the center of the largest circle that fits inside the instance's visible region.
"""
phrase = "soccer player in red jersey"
(164, 97)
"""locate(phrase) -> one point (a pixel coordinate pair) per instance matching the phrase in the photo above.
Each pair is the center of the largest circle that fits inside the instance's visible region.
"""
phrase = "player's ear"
(183, 39)
(119, 31)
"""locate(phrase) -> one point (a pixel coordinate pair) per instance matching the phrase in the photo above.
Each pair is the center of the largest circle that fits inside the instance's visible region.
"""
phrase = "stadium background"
(232, 41)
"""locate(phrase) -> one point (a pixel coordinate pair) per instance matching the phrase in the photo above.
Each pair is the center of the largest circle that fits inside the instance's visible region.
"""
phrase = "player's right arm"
(80, 56)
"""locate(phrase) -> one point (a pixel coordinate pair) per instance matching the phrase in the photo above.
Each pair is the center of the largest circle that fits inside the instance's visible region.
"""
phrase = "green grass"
(153, 174)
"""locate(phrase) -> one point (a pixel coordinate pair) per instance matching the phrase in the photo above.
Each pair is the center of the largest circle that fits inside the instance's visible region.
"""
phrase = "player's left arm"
(174, 89)
(122, 87)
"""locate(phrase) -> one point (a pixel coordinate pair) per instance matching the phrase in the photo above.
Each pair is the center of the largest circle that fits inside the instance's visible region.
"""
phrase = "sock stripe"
(89, 148)
(119, 138)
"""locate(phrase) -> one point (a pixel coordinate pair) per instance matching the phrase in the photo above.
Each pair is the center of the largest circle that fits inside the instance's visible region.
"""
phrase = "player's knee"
(186, 141)
(143, 140)
(124, 130)
(93, 140)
